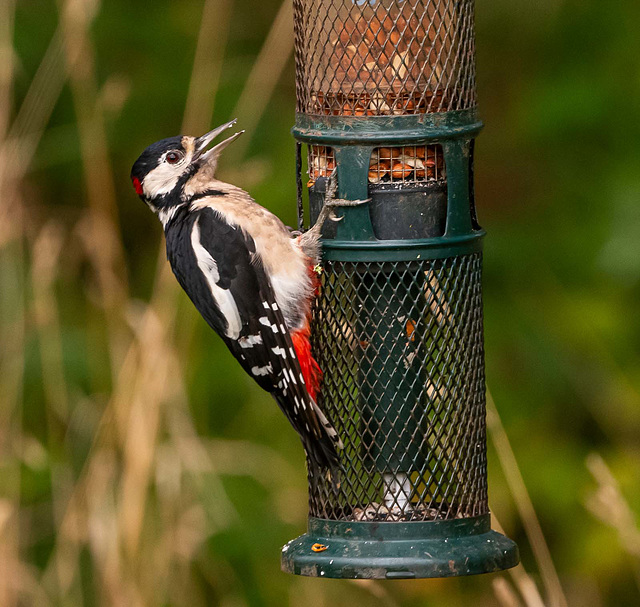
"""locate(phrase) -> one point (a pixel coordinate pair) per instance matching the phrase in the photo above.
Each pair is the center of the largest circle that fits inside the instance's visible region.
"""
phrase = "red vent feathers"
(310, 369)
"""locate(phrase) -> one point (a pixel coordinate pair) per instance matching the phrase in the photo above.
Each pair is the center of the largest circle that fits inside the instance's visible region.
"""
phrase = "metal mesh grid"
(384, 57)
(401, 347)
(322, 161)
(399, 164)
(408, 164)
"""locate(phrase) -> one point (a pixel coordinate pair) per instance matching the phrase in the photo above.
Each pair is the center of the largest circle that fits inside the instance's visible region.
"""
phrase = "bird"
(251, 278)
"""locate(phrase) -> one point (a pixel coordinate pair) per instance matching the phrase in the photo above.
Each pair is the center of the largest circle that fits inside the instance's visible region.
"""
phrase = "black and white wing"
(230, 288)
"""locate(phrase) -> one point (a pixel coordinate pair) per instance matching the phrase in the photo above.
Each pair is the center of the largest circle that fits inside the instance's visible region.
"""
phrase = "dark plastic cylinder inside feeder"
(386, 95)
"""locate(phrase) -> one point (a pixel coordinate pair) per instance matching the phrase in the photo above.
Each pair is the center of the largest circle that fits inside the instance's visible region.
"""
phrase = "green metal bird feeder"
(386, 93)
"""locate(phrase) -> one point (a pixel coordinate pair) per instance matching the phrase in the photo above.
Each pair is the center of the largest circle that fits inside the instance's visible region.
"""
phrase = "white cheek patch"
(162, 179)
(223, 297)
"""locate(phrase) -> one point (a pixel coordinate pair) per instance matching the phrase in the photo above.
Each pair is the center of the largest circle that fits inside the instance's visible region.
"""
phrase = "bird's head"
(170, 168)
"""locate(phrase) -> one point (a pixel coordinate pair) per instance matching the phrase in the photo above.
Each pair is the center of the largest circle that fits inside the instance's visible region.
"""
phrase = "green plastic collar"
(344, 549)
(402, 250)
(385, 129)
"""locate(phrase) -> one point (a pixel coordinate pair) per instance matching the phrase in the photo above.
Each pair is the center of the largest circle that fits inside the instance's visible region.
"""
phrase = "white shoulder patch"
(223, 297)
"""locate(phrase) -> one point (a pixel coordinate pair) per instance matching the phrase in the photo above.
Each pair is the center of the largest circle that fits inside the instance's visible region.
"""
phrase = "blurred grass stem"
(264, 77)
(524, 505)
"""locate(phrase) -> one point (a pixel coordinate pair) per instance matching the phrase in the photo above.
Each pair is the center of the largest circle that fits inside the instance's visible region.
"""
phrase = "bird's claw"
(339, 202)
(336, 203)
(332, 187)
(330, 205)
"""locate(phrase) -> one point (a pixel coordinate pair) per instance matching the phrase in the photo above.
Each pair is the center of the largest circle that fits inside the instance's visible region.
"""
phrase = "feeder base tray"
(399, 550)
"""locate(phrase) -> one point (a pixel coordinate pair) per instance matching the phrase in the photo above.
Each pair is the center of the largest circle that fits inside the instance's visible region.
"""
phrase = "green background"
(140, 466)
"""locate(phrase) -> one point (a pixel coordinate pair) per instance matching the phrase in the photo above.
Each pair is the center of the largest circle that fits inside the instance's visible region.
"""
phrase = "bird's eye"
(173, 157)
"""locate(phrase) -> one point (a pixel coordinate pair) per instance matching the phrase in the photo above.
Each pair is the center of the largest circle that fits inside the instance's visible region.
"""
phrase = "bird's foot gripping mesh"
(401, 347)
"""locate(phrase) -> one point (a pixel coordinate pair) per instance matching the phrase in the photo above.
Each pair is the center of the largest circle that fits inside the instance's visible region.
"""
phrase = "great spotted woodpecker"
(248, 276)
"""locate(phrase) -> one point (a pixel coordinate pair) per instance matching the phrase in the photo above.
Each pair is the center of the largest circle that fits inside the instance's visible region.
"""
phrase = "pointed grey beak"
(207, 138)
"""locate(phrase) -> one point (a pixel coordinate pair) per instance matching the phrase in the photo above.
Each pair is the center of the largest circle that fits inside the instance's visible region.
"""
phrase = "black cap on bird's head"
(165, 167)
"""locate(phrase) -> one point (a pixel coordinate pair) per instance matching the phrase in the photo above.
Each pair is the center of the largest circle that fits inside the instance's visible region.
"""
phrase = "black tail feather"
(323, 462)
(319, 439)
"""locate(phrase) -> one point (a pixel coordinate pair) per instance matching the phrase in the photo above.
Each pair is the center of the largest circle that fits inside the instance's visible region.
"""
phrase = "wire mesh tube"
(386, 57)
(393, 339)
(401, 349)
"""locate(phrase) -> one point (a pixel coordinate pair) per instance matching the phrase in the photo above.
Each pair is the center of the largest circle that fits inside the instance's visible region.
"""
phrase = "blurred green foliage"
(140, 466)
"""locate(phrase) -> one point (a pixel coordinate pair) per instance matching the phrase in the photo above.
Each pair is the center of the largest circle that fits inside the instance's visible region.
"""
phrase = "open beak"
(202, 142)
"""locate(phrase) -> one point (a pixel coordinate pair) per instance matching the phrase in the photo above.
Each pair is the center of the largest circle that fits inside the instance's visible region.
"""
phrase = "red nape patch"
(137, 185)
(310, 369)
